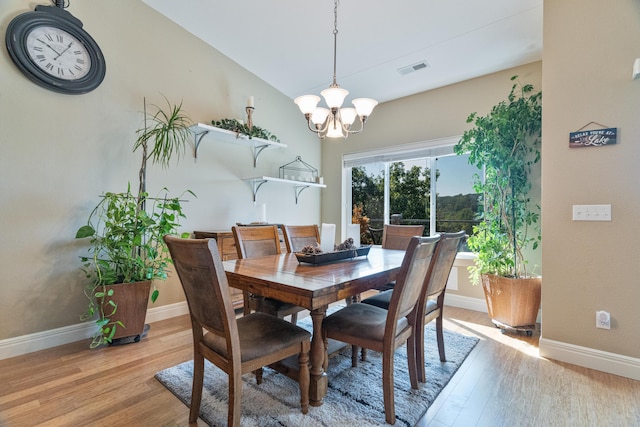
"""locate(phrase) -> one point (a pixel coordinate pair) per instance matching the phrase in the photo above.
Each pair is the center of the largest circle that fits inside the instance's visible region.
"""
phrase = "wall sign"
(593, 138)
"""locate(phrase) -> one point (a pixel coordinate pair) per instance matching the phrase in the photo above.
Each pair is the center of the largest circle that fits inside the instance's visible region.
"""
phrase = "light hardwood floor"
(502, 383)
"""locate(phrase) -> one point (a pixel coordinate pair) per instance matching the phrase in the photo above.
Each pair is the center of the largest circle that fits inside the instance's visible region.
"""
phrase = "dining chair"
(394, 236)
(297, 237)
(253, 242)
(398, 237)
(377, 329)
(235, 345)
(431, 301)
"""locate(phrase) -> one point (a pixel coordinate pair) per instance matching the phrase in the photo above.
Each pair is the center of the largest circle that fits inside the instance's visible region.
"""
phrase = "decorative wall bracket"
(298, 186)
(257, 145)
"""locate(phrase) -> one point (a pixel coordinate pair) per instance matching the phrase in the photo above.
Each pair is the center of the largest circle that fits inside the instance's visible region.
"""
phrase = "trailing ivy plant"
(239, 127)
(506, 144)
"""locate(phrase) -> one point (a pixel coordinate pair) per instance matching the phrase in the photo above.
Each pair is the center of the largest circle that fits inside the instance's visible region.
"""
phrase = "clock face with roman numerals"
(58, 53)
(52, 49)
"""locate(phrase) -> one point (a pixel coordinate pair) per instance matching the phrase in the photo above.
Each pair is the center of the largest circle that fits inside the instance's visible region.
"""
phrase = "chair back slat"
(444, 257)
(411, 277)
(297, 237)
(199, 267)
(253, 242)
(398, 236)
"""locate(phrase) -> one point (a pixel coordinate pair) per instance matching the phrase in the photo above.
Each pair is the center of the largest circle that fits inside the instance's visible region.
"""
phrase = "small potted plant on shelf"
(127, 252)
(239, 127)
(506, 144)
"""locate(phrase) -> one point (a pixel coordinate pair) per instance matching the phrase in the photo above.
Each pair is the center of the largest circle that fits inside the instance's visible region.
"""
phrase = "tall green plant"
(167, 131)
(506, 144)
(126, 230)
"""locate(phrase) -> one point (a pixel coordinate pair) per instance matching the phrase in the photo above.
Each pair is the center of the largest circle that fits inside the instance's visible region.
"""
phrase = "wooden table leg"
(319, 380)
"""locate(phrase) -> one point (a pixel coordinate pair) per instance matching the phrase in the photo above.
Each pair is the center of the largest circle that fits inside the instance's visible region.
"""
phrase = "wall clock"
(50, 47)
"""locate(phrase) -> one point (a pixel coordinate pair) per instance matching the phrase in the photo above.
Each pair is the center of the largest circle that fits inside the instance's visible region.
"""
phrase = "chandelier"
(334, 121)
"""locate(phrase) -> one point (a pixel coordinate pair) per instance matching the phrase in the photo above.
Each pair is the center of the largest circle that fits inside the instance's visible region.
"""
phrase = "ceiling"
(289, 43)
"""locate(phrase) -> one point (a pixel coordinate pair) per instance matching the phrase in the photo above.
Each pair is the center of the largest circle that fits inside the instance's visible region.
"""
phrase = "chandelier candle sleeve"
(327, 237)
(353, 231)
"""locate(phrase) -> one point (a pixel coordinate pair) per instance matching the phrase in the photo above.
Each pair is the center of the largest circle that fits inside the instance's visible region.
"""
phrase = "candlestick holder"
(249, 111)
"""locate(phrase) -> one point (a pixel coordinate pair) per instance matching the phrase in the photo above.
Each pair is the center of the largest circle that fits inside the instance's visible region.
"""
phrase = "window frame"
(431, 150)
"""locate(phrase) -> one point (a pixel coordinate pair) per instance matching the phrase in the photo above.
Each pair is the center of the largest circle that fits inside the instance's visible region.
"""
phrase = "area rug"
(354, 397)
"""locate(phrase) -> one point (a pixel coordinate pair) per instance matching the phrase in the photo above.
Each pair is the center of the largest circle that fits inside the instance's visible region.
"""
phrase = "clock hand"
(62, 53)
(48, 45)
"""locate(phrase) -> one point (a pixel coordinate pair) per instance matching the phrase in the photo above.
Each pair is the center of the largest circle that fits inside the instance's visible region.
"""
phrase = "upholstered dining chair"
(253, 242)
(368, 326)
(235, 345)
(297, 237)
(398, 237)
(431, 301)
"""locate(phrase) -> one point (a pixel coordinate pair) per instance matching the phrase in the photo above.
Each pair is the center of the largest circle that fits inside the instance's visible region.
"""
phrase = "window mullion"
(387, 193)
(431, 162)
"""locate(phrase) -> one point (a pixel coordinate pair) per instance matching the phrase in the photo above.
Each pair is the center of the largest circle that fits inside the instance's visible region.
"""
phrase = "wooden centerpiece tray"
(325, 257)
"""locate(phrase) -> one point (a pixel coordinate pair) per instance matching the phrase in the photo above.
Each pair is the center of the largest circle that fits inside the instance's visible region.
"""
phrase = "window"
(397, 185)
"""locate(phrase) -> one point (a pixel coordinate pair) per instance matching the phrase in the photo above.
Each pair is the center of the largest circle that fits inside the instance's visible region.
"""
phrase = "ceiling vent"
(413, 67)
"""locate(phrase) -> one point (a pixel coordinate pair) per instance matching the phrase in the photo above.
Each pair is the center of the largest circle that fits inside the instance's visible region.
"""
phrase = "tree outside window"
(409, 194)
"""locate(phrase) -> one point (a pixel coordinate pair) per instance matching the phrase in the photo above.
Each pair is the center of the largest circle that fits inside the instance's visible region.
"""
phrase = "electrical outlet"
(603, 320)
(592, 212)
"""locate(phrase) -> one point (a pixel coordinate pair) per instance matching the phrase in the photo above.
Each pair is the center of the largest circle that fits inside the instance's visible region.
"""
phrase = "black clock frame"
(16, 36)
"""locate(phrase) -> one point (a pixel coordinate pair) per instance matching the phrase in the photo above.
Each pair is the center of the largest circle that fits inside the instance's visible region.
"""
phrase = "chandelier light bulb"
(334, 96)
(348, 116)
(335, 128)
(364, 106)
(307, 103)
(319, 116)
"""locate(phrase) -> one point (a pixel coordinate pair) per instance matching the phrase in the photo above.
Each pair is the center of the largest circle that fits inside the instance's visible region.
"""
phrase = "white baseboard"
(475, 304)
(591, 358)
(167, 311)
(18, 346)
(582, 356)
(24, 344)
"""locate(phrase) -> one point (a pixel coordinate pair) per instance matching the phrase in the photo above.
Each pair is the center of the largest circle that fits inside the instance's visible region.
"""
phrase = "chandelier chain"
(335, 43)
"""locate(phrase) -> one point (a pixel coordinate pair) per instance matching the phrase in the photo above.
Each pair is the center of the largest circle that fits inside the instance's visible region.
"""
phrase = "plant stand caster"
(133, 338)
(504, 328)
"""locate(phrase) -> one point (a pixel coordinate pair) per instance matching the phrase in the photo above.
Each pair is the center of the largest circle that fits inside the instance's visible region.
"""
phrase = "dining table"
(314, 286)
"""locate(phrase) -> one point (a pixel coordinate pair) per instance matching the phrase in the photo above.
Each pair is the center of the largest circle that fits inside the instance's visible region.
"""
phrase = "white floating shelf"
(299, 186)
(257, 144)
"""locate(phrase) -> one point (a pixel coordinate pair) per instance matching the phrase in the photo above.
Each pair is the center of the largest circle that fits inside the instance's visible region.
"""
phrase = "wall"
(58, 153)
(589, 50)
(439, 113)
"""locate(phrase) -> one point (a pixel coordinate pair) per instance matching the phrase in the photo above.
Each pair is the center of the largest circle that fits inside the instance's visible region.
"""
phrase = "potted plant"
(506, 144)
(250, 130)
(127, 253)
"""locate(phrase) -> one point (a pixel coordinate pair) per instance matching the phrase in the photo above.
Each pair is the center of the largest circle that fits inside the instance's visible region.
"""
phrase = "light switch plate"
(592, 212)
